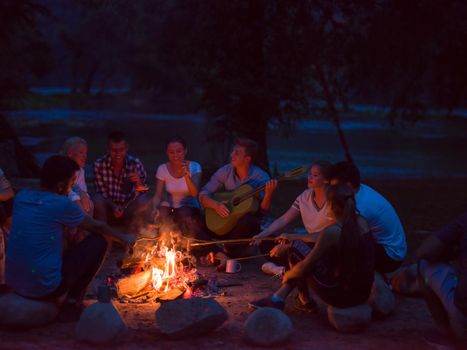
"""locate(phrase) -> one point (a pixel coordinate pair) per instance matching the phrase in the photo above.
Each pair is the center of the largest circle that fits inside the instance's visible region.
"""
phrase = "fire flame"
(167, 268)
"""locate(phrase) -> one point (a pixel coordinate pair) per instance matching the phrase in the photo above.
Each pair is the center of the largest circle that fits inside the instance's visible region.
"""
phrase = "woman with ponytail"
(340, 267)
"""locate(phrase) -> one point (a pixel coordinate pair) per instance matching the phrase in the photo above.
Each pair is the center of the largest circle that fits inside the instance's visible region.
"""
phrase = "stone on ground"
(100, 323)
(22, 313)
(349, 320)
(267, 327)
(189, 317)
(381, 299)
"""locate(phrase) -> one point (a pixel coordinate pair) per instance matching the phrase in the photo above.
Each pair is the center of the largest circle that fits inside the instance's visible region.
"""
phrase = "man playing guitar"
(240, 171)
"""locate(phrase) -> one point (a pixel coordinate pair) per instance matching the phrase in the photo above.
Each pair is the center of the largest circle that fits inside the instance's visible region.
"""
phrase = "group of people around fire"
(59, 234)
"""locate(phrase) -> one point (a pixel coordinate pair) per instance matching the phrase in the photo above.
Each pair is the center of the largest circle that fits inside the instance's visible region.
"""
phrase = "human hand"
(283, 238)
(270, 187)
(255, 239)
(186, 168)
(134, 177)
(222, 210)
(279, 250)
(85, 202)
(118, 212)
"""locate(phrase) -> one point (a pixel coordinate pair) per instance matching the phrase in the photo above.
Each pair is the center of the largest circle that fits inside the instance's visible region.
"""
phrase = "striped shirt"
(119, 189)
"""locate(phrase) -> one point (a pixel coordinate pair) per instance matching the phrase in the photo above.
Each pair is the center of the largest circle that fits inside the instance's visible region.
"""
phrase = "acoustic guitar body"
(222, 226)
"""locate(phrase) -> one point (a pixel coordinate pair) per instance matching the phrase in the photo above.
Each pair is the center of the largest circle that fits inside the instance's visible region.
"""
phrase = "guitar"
(240, 202)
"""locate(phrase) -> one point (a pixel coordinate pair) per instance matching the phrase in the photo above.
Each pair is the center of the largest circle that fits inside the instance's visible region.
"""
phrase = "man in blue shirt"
(36, 266)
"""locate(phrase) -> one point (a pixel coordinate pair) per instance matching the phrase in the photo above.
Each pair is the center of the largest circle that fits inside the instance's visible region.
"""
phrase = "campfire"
(161, 268)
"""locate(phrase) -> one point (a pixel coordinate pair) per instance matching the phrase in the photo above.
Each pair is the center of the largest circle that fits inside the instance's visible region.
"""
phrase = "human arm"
(193, 180)
(6, 194)
(269, 189)
(277, 225)
(99, 227)
(138, 174)
(431, 249)
(214, 184)
(328, 238)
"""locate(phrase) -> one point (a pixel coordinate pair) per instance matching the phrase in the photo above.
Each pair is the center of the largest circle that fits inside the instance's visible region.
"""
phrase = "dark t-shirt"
(454, 235)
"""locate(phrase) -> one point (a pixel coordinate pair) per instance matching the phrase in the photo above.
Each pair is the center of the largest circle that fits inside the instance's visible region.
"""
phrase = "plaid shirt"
(119, 189)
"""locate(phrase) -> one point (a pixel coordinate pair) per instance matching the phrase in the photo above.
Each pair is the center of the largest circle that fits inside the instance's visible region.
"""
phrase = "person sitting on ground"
(177, 187)
(119, 180)
(76, 149)
(6, 203)
(339, 268)
(443, 280)
(313, 208)
(240, 171)
(387, 230)
(36, 265)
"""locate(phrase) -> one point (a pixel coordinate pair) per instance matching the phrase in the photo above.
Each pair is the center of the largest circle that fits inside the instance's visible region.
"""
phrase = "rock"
(404, 281)
(100, 323)
(22, 313)
(381, 298)
(189, 317)
(267, 327)
(349, 320)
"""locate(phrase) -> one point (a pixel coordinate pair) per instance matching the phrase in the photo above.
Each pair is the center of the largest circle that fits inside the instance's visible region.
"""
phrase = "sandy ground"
(402, 330)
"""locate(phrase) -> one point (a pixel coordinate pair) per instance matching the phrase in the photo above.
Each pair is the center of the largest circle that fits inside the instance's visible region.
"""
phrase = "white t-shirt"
(383, 221)
(176, 189)
(79, 186)
(314, 219)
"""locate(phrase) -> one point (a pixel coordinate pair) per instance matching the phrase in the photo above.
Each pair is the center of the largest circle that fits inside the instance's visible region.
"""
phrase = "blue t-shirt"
(34, 251)
(384, 223)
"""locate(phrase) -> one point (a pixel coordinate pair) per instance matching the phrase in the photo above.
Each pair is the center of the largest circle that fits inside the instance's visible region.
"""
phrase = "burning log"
(132, 285)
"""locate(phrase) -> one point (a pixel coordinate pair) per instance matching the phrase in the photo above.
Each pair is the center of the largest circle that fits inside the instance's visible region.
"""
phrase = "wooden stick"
(239, 240)
(251, 257)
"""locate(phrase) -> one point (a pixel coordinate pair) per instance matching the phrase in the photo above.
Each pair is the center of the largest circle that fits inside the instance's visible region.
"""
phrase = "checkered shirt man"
(118, 189)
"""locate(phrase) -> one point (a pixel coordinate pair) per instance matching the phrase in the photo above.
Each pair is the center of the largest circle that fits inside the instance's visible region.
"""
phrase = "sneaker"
(267, 302)
(309, 307)
(272, 269)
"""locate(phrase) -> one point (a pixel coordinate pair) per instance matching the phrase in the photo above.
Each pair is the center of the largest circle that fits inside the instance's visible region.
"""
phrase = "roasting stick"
(251, 257)
(202, 243)
(239, 240)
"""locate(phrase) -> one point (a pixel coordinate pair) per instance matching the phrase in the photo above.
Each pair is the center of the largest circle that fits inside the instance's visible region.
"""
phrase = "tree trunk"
(252, 122)
(332, 112)
(90, 77)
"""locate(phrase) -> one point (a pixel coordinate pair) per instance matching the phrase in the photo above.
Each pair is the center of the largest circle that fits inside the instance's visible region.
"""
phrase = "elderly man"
(119, 180)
